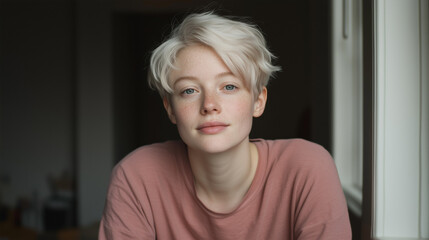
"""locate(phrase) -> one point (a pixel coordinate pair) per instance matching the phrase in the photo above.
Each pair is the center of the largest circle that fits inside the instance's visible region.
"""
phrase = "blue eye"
(230, 87)
(189, 91)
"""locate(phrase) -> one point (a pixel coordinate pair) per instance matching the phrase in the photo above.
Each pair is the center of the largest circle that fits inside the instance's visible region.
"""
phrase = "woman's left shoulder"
(295, 145)
(297, 152)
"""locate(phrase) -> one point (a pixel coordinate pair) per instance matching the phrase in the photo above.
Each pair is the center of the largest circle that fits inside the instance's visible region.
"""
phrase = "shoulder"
(294, 150)
(306, 173)
(298, 157)
(295, 143)
(158, 153)
(151, 159)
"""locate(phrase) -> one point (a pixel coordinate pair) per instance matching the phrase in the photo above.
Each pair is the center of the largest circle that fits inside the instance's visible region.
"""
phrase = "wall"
(35, 99)
(395, 115)
(94, 108)
(401, 88)
(347, 77)
(55, 102)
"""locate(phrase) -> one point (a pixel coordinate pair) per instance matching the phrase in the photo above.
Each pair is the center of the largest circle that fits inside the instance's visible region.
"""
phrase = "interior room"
(74, 100)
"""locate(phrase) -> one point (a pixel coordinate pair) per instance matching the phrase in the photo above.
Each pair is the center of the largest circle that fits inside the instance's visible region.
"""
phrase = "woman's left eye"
(230, 87)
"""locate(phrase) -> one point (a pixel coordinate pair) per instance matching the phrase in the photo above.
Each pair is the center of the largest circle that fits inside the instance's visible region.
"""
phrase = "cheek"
(183, 114)
(243, 111)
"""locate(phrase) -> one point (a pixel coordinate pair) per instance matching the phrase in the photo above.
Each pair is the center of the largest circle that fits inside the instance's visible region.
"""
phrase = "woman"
(216, 183)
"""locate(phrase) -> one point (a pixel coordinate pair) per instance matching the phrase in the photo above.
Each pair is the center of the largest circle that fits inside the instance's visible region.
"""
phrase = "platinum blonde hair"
(240, 45)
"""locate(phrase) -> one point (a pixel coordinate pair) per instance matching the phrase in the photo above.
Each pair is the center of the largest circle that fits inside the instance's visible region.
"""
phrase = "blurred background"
(74, 98)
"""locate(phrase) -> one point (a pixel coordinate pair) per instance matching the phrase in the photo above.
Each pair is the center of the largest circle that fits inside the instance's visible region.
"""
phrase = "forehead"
(198, 61)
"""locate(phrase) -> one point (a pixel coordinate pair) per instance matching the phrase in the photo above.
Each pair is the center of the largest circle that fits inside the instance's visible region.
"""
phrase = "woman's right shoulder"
(152, 157)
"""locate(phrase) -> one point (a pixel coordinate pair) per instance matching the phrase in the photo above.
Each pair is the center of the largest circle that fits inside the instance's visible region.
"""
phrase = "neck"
(222, 179)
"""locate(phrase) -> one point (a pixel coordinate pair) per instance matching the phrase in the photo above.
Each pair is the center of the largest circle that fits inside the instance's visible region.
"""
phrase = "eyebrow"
(220, 75)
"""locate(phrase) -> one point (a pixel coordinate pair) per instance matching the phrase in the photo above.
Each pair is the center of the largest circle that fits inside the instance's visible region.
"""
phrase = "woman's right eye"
(189, 91)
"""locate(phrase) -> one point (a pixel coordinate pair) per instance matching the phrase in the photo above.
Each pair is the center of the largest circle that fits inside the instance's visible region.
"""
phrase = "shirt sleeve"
(124, 216)
(321, 207)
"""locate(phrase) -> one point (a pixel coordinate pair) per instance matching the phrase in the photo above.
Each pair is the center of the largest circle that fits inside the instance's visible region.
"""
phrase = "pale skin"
(213, 110)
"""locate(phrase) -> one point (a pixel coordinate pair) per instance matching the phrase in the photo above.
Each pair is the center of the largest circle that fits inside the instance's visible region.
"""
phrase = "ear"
(169, 110)
(259, 105)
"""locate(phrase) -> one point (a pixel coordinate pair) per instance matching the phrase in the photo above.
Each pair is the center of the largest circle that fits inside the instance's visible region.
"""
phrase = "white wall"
(401, 109)
(347, 82)
(401, 196)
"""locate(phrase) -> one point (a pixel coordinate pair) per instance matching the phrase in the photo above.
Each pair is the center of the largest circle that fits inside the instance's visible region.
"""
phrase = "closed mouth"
(212, 125)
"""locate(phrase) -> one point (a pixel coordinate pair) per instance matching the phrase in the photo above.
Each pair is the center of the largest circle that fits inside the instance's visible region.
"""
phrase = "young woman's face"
(213, 109)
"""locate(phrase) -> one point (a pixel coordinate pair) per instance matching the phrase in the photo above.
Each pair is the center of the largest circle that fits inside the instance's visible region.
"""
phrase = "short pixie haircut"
(240, 45)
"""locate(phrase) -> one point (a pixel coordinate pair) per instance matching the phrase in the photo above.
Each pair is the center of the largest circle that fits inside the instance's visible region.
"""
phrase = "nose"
(210, 104)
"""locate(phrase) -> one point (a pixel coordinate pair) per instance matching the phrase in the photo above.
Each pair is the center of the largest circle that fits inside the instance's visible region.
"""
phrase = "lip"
(212, 127)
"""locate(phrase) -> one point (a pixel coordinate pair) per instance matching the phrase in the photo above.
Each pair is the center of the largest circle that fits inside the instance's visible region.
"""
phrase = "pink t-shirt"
(295, 194)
